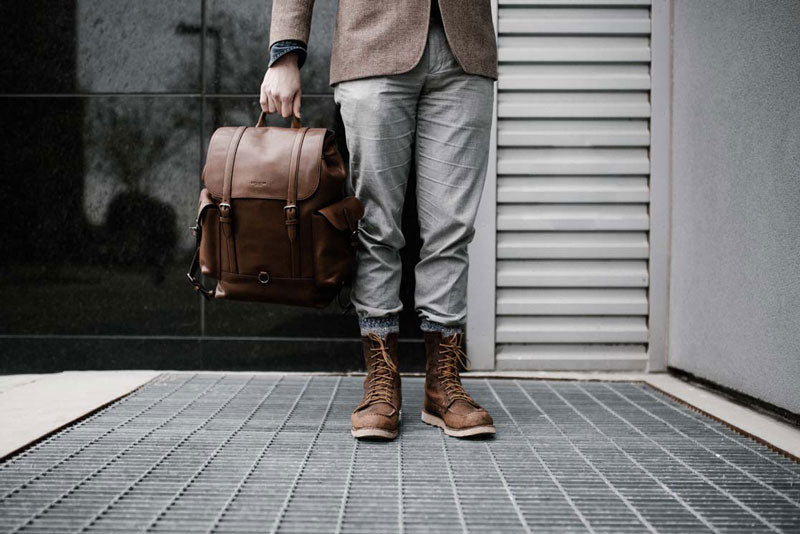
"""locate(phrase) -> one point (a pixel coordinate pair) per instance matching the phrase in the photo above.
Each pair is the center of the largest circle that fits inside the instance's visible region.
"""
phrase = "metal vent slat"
(575, 245)
(571, 329)
(573, 105)
(572, 217)
(523, 19)
(553, 49)
(574, 77)
(572, 161)
(571, 301)
(571, 189)
(571, 356)
(573, 133)
(566, 273)
(574, 2)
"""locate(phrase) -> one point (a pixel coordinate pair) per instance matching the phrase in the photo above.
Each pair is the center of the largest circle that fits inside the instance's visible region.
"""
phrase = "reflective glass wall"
(107, 108)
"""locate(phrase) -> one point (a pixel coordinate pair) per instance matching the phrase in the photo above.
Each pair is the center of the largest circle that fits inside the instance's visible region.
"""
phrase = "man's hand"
(280, 90)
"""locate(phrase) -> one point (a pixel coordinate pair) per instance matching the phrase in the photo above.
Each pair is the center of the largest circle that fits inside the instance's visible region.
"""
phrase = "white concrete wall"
(735, 251)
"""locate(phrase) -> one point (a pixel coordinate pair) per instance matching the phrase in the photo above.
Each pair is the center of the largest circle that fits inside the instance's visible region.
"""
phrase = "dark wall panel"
(111, 104)
(237, 48)
(130, 46)
(103, 185)
(39, 40)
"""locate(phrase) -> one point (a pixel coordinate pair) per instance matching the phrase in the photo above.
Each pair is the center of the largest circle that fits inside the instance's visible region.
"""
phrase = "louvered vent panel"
(572, 184)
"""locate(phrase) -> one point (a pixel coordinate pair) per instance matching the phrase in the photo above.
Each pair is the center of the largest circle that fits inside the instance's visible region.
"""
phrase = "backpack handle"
(262, 121)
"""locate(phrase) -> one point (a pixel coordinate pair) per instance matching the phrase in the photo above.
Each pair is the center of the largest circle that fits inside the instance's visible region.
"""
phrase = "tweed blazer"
(382, 37)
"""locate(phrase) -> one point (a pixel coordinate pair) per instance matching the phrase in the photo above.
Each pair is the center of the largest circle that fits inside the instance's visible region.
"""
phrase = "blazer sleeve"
(291, 19)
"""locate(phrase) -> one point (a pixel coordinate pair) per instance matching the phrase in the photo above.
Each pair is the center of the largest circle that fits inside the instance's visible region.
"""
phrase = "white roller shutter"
(573, 139)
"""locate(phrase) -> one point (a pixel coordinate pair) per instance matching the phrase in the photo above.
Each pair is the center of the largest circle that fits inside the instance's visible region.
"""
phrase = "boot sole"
(457, 432)
(374, 433)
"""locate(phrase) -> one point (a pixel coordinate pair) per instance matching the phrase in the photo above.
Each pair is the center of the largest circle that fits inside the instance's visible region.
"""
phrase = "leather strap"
(290, 209)
(225, 215)
(197, 230)
(230, 158)
(262, 121)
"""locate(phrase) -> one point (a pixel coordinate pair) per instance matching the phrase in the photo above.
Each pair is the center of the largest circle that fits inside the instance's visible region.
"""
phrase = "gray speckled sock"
(379, 325)
(446, 330)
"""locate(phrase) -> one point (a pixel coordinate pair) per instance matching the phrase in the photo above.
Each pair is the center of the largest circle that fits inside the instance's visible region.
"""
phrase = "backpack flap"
(262, 164)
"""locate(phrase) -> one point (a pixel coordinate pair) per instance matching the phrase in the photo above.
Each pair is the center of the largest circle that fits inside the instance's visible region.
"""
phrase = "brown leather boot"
(378, 415)
(447, 404)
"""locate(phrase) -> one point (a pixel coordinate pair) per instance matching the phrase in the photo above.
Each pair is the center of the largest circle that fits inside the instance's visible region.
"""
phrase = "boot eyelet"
(263, 277)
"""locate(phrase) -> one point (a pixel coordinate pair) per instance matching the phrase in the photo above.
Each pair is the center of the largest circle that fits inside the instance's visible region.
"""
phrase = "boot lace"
(451, 356)
(382, 371)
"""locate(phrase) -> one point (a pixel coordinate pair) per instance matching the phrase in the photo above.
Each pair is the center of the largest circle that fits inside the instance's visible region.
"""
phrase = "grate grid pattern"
(217, 452)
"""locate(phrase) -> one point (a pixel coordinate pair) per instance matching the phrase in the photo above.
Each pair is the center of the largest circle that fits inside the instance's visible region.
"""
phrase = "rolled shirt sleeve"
(286, 46)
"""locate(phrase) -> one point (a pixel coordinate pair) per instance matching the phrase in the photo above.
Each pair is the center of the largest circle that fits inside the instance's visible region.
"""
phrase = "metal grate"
(243, 453)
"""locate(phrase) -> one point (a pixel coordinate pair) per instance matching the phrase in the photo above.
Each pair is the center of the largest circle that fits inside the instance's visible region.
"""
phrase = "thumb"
(296, 105)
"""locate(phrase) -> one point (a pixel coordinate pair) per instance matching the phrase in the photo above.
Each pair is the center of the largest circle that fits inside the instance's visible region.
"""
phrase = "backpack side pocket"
(335, 231)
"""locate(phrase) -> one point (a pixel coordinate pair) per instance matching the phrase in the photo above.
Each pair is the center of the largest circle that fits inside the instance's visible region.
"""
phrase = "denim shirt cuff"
(281, 48)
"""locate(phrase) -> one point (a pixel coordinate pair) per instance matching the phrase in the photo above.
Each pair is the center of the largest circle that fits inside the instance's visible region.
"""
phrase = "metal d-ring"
(263, 277)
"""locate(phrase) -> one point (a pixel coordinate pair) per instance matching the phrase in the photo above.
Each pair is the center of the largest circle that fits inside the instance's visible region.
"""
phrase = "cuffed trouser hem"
(381, 326)
(447, 330)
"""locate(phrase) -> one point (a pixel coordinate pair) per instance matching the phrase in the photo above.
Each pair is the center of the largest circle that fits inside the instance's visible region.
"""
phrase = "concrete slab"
(8, 382)
(32, 406)
(767, 429)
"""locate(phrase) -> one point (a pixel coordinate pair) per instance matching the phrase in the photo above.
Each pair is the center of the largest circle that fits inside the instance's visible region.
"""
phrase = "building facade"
(641, 210)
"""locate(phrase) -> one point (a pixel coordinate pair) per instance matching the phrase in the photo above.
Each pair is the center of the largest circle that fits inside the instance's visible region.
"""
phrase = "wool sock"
(379, 325)
(446, 330)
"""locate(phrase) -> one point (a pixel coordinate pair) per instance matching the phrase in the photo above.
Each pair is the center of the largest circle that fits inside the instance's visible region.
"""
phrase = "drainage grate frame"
(217, 452)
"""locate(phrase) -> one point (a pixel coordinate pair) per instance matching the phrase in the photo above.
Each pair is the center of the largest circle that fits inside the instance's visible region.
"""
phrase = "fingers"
(277, 102)
(286, 99)
(262, 98)
(296, 105)
(279, 97)
(283, 103)
(264, 101)
(268, 98)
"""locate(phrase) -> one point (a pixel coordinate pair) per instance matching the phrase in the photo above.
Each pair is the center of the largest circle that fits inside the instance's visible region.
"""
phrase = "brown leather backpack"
(273, 221)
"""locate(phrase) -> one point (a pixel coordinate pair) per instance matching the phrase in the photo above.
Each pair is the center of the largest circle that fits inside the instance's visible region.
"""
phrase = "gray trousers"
(443, 116)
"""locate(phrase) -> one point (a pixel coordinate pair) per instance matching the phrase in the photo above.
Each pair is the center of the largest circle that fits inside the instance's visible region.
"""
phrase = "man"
(412, 78)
